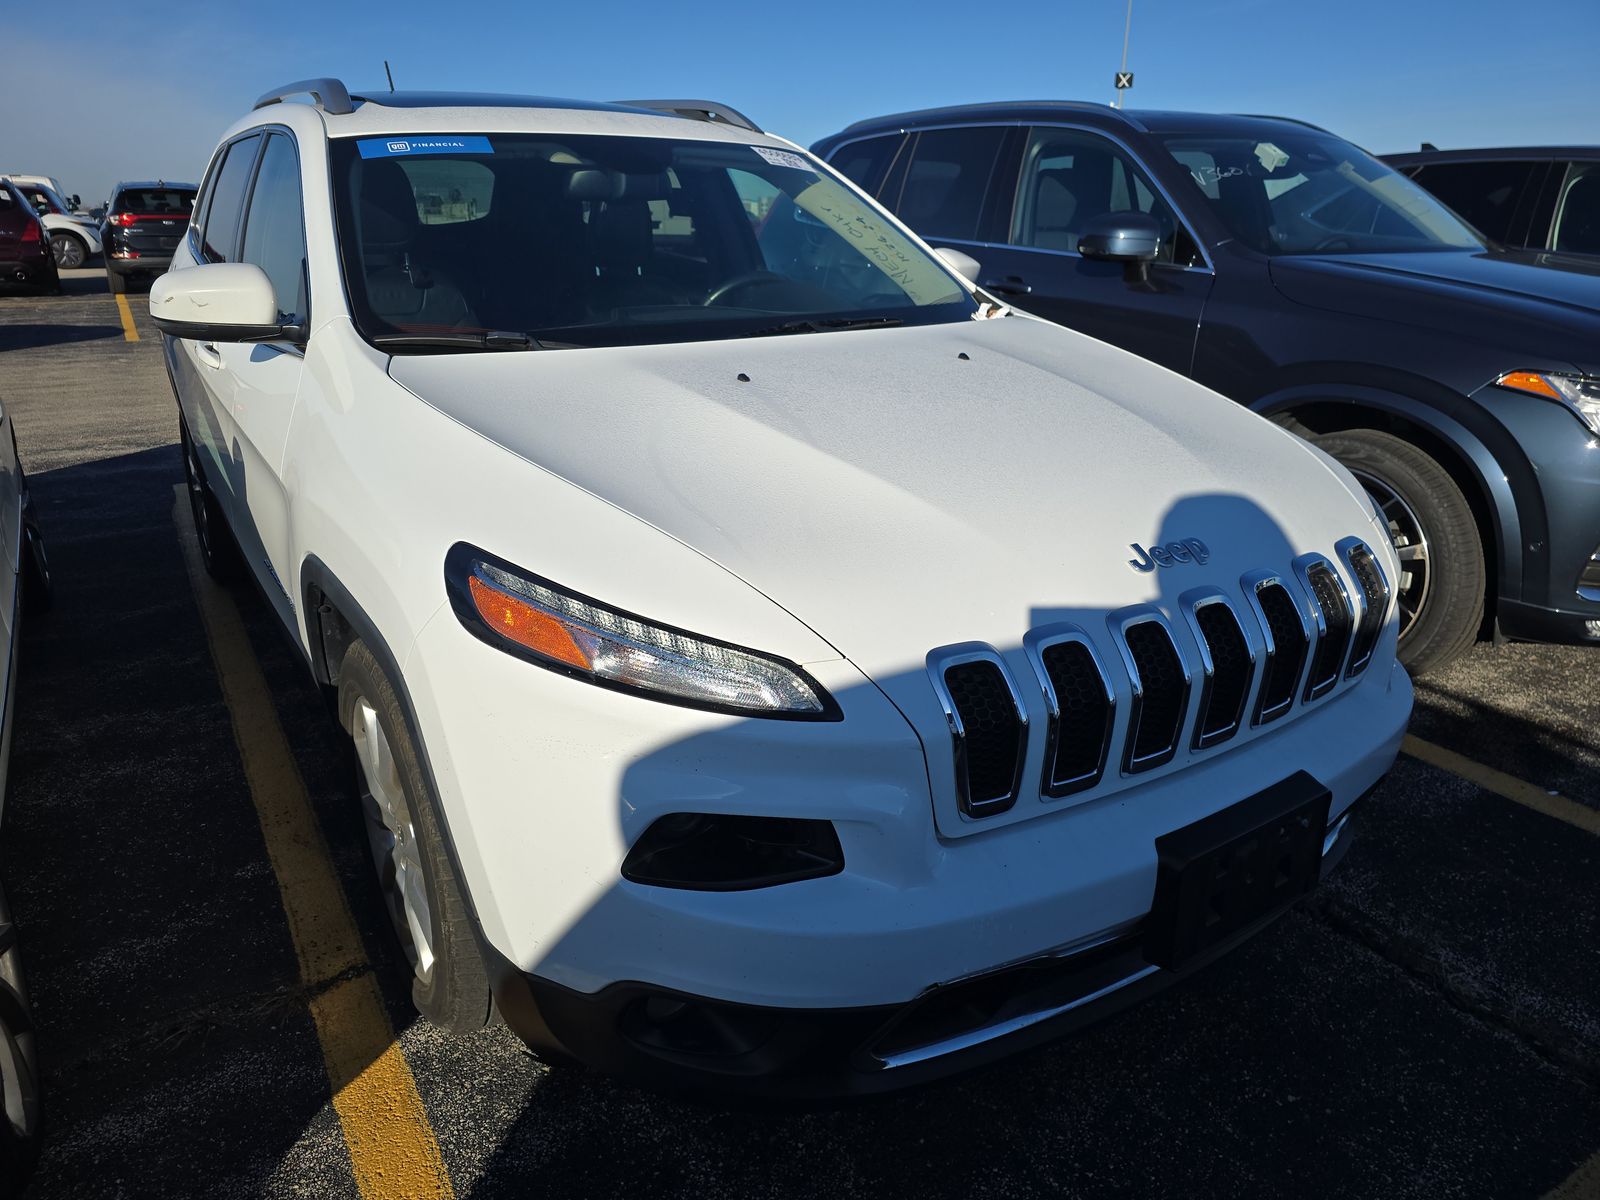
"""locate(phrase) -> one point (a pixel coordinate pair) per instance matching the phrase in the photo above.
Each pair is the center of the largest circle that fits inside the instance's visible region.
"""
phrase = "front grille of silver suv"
(1310, 632)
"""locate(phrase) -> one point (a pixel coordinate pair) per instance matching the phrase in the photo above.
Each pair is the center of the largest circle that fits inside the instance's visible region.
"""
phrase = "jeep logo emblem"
(1185, 551)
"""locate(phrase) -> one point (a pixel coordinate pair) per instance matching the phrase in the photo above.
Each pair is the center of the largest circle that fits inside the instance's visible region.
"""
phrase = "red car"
(25, 255)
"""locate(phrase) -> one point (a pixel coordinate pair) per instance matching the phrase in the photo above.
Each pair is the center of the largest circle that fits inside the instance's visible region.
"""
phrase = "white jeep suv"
(771, 663)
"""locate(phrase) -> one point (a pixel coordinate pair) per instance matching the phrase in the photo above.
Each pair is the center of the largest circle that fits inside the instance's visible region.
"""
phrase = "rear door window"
(1484, 194)
(948, 181)
(221, 236)
(274, 232)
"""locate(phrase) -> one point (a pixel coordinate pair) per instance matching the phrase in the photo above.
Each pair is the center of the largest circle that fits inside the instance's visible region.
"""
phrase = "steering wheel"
(1332, 241)
(722, 291)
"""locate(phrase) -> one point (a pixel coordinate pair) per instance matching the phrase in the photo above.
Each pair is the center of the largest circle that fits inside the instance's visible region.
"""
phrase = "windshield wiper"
(813, 325)
(488, 339)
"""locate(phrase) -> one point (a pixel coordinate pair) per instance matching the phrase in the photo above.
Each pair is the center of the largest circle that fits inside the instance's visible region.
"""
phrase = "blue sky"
(1387, 74)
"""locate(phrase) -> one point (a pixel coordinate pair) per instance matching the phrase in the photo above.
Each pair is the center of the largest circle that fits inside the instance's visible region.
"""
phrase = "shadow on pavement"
(33, 336)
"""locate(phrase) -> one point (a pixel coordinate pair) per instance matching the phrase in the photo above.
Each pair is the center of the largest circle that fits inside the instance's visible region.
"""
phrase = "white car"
(74, 236)
(771, 664)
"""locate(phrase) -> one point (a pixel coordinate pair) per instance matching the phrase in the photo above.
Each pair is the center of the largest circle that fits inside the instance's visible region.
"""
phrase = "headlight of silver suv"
(1580, 393)
(532, 618)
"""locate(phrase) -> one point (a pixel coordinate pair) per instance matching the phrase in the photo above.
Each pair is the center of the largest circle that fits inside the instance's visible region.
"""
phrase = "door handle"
(1009, 286)
(210, 355)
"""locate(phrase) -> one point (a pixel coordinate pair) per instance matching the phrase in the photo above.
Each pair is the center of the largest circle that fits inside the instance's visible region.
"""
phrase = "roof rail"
(1276, 117)
(330, 94)
(699, 110)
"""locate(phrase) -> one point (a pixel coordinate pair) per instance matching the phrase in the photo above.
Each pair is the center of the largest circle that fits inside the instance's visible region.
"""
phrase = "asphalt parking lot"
(1428, 1025)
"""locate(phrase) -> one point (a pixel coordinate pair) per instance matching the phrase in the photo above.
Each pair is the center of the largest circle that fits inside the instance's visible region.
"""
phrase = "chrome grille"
(1229, 670)
(1364, 569)
(1334, 623)
(988, 728)
(1160, 694)
(1297, 635)
(1286, 647)
(1080, 705)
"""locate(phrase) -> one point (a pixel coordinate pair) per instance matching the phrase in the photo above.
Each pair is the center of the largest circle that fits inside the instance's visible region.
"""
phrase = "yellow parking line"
(392, 1146)
(1582, 1184)
(1509, 786)
(129, 333)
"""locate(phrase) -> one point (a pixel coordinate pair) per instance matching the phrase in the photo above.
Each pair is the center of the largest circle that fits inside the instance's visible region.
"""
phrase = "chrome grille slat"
(1229, 666)
(1331, 605)
(1080, 706)
(1160, 681)
(988, 726)
(1286, 639)
(1373, 593)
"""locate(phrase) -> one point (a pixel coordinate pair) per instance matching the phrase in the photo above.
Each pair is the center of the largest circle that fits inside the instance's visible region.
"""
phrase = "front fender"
(1506, 481)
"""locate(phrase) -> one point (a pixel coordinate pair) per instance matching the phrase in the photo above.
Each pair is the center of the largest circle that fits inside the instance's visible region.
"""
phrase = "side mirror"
(220, 302)
(963, 265)
(1131, 238)
(75, 200)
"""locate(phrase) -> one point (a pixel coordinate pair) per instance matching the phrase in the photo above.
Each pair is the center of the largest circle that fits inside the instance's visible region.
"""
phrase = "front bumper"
(673, 1040)
(543, 809)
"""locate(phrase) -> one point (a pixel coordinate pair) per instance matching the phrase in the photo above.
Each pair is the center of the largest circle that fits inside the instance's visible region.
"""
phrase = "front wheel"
(70, 251)
(1440, 592)
(218, 551)
(449, 984)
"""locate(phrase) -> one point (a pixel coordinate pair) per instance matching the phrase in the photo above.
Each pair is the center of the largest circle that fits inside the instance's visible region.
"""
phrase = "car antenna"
(1429, 147)
(389, 73)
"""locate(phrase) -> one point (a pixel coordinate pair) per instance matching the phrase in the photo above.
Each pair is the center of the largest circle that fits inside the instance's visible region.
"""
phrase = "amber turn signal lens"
(1529, 381)
(522, 623)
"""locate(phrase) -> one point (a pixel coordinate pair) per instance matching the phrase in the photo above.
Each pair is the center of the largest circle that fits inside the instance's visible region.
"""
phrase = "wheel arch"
(335, 620)
(1481, 475)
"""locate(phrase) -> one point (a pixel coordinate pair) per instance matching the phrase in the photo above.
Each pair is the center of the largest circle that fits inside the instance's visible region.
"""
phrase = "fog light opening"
(725, 853)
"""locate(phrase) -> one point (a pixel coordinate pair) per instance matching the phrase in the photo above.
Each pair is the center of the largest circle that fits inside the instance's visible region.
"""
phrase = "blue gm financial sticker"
(449, 143)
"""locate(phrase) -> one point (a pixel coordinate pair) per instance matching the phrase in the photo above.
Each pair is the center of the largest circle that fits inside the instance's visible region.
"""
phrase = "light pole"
(1126, 29)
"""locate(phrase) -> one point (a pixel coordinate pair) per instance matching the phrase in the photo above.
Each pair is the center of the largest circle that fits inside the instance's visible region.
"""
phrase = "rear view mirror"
(963, 265)
(1131, 238)
(220, 302)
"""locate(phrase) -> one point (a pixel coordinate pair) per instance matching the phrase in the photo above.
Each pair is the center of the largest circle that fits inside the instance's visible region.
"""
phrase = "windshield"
(582, 240)
(1310, 193)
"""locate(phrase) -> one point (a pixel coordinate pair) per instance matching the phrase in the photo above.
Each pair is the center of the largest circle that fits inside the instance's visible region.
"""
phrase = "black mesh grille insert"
(1159, 716)
(1231, 672)
(1081, 732)
(993, 735)
(1288, 652)
(1374, 610)
(1329, 656)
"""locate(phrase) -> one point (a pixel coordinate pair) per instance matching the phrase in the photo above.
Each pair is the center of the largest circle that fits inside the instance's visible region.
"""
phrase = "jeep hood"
(903, 489)
(1538, 306)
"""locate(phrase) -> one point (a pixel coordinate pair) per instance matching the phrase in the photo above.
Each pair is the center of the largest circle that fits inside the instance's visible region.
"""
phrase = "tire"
(70, 251)
(20, 1114)
(450, 985)
(1443, 579)
(218, 550)
(116, 281)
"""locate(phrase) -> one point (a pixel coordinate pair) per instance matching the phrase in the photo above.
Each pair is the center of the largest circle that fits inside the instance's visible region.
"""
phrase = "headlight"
(534, 619)
(1580, 393)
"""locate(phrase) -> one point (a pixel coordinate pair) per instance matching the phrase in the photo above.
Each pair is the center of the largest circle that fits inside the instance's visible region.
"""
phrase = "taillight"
(33, 231)
(124, 219)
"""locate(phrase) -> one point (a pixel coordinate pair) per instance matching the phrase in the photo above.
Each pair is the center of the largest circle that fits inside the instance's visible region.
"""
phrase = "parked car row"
(135, 230)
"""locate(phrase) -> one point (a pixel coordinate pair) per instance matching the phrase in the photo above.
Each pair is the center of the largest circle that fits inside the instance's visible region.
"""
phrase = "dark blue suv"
(1293, 272)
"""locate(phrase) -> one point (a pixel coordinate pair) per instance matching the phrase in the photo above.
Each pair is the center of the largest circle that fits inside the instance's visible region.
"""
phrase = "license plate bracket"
(1227, 872)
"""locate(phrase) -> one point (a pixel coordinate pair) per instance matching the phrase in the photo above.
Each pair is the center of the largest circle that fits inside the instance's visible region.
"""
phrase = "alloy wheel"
(1410, 546)
(392, 839)
(68, 251)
